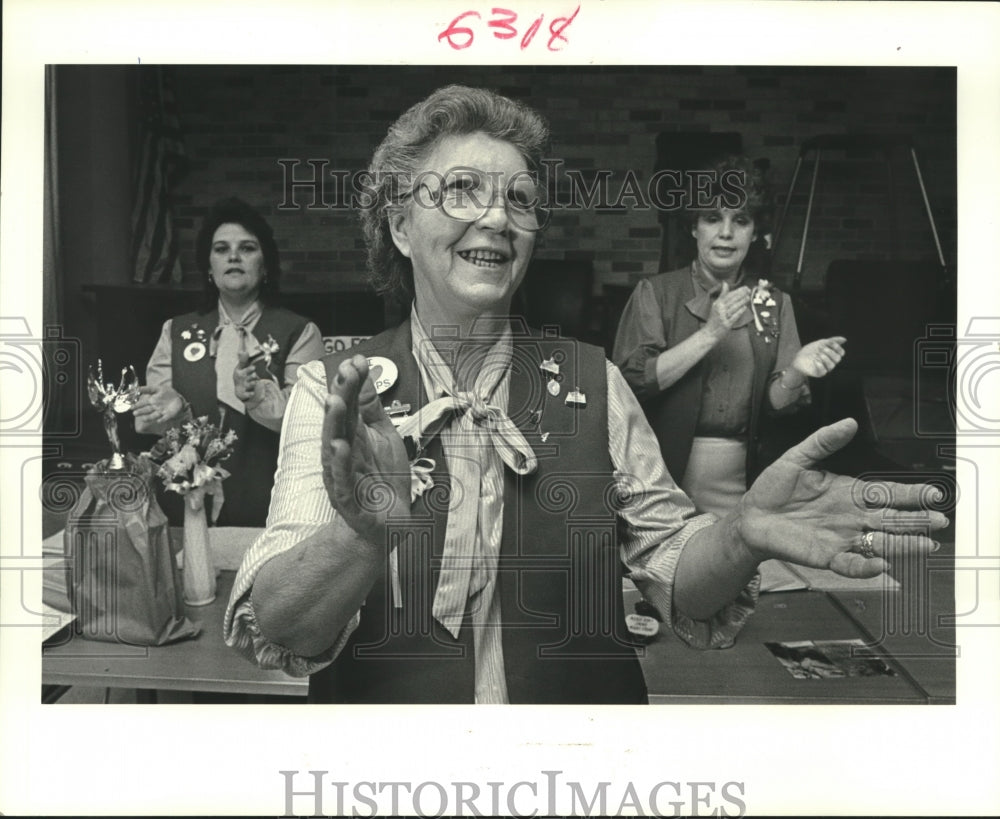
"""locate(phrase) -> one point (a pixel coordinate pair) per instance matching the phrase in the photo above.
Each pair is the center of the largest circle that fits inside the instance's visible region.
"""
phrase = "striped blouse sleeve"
(659, 521)
(299, 508)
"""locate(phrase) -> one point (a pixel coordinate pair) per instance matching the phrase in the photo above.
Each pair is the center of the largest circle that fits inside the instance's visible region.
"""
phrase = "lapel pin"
(397, 412)
(553, 387)
(549, 366)
(195, 351)
(382, 372)
(576, 398)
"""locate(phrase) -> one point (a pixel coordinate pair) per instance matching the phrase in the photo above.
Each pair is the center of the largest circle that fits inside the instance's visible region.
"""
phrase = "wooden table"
(749, 673)
(745, 673)
(916, 626)
(921, 654)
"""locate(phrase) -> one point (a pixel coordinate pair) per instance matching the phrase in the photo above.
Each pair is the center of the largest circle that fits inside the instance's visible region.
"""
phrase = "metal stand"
(882, 143)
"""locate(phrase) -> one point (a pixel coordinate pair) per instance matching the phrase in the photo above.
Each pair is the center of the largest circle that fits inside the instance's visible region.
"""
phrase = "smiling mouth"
(483, 258)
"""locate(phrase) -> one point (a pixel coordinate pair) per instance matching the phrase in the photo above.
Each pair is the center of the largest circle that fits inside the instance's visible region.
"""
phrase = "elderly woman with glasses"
(455, 500)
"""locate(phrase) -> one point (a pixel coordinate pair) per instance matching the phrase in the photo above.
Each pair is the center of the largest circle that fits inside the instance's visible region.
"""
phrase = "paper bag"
(122, 577)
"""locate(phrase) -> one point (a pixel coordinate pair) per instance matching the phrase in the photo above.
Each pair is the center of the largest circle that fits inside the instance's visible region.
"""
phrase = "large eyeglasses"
(466, 194)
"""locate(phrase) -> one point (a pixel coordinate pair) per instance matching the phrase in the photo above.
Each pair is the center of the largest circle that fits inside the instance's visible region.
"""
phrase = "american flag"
(161, 160)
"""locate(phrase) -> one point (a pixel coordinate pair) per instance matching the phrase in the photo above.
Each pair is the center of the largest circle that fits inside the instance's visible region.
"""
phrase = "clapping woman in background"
(235, 359)
(708, 352)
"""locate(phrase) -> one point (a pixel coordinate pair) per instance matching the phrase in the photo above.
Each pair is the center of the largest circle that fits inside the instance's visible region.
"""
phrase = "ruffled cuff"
(721, 629)
(245, 636)
(656, 583)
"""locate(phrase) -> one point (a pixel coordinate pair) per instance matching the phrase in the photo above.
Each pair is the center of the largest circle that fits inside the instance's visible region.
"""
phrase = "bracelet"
(781, 383)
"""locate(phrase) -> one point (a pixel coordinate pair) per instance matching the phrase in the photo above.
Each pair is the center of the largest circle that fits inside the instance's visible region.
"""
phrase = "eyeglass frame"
(542, 214)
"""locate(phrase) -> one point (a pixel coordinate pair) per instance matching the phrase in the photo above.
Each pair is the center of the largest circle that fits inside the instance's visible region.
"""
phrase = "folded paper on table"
(779, 576)
(54, 620)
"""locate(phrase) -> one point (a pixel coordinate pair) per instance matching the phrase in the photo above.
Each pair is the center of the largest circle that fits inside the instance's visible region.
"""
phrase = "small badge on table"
(644, 629)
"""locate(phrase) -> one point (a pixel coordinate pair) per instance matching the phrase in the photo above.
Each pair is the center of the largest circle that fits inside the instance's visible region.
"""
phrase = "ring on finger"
(866, 549)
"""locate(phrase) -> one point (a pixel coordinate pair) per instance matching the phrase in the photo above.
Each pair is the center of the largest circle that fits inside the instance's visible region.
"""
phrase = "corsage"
(761, 304)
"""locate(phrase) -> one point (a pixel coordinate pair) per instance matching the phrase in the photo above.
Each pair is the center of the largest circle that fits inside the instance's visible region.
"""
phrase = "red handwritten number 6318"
(502, 23)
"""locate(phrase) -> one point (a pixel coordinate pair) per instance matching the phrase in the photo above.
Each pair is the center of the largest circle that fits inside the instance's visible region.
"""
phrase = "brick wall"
(240, 121)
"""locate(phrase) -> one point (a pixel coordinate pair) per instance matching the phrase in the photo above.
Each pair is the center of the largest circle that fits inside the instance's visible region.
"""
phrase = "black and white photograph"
(493, 428)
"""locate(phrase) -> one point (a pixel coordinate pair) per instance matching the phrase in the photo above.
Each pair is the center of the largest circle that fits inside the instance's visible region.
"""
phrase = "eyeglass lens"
(466, 194)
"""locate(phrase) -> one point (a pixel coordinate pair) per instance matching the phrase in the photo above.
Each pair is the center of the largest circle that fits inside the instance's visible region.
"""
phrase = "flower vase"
(199, 572)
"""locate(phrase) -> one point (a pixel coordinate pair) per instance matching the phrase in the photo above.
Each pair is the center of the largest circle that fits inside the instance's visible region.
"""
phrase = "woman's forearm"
(303, 597)
(269, 411)
(713, 569)
(786, 388)
(672, 364)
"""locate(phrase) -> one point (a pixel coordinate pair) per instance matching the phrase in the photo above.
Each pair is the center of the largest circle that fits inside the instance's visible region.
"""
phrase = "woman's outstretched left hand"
(366, 471)
(819, 357)
(800, 513)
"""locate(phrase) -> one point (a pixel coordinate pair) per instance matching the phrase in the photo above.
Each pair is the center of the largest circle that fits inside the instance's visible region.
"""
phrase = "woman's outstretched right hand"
(365, 468)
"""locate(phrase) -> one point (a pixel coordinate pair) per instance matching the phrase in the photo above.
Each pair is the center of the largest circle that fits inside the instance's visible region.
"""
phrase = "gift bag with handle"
(122, 577)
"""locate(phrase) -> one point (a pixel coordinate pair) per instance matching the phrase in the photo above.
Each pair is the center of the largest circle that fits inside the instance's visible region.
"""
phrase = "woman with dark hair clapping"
(237, 358)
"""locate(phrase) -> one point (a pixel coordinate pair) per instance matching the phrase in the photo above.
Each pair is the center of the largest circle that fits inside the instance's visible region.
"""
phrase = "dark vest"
(559, 577)
(247, 490)
(673, 414)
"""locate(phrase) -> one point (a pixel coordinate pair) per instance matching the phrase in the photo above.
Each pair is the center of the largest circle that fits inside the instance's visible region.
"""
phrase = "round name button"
(382, 372)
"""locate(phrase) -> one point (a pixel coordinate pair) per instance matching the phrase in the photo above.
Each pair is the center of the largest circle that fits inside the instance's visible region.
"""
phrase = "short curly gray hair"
(449, 111)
